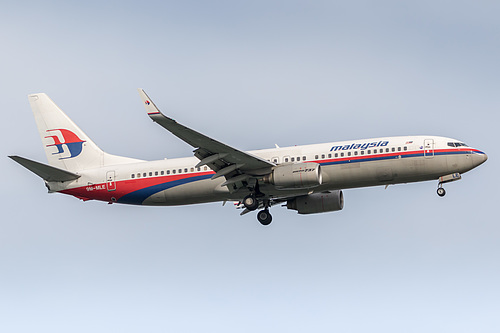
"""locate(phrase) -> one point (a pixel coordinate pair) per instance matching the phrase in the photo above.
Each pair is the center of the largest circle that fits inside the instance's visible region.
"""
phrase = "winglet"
(151, 108)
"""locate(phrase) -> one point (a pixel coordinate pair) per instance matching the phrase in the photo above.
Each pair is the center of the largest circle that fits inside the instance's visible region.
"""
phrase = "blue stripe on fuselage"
(356, 159)
(138, 197)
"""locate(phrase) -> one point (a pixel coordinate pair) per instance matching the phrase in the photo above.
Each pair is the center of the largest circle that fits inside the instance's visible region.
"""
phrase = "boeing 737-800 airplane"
(308, 179)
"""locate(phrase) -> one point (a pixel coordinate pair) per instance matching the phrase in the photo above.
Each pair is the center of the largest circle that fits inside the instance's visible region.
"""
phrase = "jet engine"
(294, 176)
(317, 202)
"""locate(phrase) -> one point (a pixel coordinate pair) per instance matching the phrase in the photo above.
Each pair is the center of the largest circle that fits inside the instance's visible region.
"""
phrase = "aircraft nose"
(479, 158)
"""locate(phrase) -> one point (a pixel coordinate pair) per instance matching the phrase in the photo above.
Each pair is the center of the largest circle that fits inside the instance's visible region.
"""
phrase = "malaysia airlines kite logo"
(73, 143)
(147, 102)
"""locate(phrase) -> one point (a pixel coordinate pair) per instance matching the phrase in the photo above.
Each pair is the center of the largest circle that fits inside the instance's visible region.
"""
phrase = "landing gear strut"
(251, 203)
(446, 179)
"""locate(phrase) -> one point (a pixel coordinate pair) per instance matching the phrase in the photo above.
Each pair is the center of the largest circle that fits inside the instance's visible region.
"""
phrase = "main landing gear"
(264, 217)
(251, 203)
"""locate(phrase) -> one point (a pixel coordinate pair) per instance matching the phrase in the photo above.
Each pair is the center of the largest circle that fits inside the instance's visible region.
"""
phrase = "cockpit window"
(457, 144)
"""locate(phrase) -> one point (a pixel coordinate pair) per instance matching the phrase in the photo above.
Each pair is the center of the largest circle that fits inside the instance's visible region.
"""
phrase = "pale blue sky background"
(252, 74)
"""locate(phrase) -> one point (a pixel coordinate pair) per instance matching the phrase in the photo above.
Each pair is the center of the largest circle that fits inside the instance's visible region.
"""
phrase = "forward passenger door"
(429, 148)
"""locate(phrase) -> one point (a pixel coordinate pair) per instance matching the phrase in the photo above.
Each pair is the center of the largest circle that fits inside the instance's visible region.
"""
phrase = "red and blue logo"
(73, 143)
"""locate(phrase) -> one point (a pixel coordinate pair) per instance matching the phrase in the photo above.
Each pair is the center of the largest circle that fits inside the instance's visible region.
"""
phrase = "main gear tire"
(264, 217)
(250, 202)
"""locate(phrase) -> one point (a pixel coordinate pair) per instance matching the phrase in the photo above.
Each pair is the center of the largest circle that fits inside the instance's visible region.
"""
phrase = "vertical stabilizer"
(66, 145)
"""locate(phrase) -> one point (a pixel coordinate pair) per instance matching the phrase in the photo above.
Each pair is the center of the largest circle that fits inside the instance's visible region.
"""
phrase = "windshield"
(457, 144)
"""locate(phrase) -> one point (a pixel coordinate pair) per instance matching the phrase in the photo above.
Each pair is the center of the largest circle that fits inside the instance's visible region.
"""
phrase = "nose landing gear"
(446, 179)
(441, 191)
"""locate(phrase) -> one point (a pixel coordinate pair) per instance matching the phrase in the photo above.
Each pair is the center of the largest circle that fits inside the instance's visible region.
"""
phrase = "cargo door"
(429, 148)
(110, 181)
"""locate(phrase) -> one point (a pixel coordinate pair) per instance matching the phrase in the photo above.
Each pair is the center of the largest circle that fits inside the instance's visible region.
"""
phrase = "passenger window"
(303, 158)
(198, 168)
(144, 174)
(316, 157)
(341, 154)
(205, 168)
(374, 151)
(132, 176)
(150, 174)
(292, 159)
(192, 169)
(168, 172)
(156, 173)
(185, 170)
(138, 175)
(162, 172)
(356, 153)
(323, 156)
(369, 152)
(180, 170)
(349, 154)
(362, 152)
(405, 148)
(286, 159)
(393, 149)
(399, 148)
(173, 171)
(336, 154)
(386, 150)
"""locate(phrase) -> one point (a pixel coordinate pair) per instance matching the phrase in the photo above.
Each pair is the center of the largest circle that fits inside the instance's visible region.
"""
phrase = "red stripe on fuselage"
(361, 158)
(123, 187)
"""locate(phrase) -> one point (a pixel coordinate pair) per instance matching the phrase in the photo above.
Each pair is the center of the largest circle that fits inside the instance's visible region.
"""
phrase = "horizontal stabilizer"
(46, 172)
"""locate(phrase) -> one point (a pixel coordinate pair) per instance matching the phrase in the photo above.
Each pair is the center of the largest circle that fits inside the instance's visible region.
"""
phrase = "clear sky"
(252, 74)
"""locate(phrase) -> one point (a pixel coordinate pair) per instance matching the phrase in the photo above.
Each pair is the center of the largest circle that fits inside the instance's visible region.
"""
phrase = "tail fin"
(67, 147)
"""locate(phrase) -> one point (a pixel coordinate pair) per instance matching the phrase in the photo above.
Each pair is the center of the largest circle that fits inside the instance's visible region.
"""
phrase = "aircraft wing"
(238, 167)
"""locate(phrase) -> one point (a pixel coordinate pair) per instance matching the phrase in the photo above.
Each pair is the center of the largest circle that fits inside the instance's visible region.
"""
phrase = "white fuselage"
(348, 164)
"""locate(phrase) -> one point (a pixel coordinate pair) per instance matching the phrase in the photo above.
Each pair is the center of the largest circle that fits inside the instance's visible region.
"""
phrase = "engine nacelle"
(294, 176)
(317, 202)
